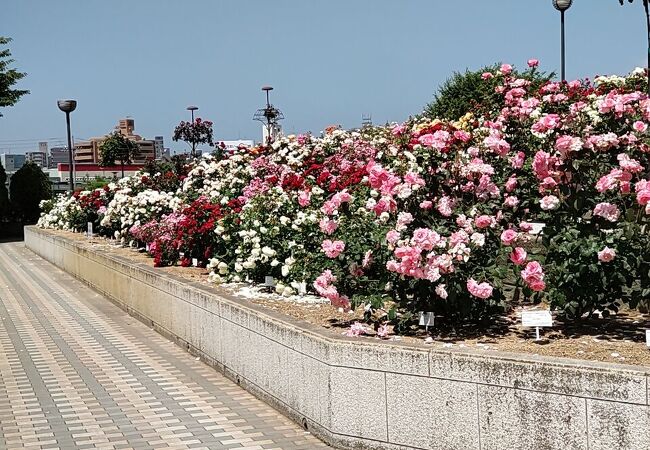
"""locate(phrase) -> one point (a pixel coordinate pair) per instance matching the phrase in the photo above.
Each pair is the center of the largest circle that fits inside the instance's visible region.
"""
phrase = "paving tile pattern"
(76, 372)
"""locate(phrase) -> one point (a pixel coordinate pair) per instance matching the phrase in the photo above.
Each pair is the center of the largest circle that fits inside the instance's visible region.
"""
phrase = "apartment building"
(89, 152)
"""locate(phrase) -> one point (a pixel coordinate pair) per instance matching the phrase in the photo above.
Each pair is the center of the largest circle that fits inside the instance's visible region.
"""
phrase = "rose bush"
(431, 214)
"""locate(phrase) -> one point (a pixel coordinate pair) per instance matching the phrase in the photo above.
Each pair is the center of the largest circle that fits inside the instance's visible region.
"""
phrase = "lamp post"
(67, 106)
(562, 6)
(193, 108)
(269, 115)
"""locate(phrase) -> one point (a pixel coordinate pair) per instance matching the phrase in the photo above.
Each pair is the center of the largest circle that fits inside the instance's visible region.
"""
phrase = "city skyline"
(386, 60)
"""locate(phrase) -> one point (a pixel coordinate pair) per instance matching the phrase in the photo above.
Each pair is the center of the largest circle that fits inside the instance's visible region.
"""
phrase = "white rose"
(549, 203)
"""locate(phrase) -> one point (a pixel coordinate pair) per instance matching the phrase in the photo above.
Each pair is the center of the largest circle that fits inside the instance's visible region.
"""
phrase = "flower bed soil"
(617, 339)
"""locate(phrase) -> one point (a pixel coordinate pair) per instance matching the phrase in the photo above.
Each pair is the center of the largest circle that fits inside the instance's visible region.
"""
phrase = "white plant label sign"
(195, 262)
(427, 319)
(537, 318)
(647, 338)
(90, 229)
(269, 281)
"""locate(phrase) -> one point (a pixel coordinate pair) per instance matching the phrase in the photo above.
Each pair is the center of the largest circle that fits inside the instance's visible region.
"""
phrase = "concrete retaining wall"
(360, 394)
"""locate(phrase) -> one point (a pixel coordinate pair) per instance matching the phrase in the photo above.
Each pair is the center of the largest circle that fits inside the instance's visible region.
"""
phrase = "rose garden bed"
(432, 215)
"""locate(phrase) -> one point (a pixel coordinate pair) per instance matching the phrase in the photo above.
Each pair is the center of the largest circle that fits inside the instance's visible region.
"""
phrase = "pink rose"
(518, 160)
(445, 206)
(483, 221)
(425, 238)
(518, 256)
(329, 207)
(525, 227)
(629, 164)
(426, 204)
(537, 285)
(548, 184)
(607, 254)
(341, 197)
(487, 75)
(508, 236)
(511, 184)
(643, 196)
(506, 69)
(511, 201)
(332, 249)
(547, 123)
(639, 126)
(413, 178)
(328, 226)
(392, 236)
(427, 140)
(565, 144)
(608, 211)
(533, 63)
(462, 135)
(304, 198)
(483, 290)
(533, 275)
(398, 130)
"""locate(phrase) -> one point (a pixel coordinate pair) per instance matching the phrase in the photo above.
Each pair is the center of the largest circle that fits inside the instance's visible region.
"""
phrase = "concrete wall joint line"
(587, 421)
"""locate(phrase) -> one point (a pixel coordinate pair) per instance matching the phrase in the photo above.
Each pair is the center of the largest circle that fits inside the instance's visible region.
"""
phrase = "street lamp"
(67, 106)
(270, 115)
(562, 5)
(193, 108)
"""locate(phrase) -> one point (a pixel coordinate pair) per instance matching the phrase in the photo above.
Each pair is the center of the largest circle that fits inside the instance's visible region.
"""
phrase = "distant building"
(42, 147)
(84, 172)
(159, 146)
(88, 152)
(39, 158)
(58, 155)
(233, 145)
(12, 162)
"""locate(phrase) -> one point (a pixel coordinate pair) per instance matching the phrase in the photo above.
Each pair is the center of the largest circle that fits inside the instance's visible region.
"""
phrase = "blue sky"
(330, 62)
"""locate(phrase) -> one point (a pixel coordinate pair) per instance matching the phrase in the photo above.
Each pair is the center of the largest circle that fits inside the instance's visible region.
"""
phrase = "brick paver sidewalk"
(77, 372)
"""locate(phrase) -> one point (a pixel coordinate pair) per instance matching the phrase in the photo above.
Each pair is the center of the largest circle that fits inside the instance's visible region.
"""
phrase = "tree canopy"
(469, 92)
(29, 185)
(8, 77)
(118, 147)
(197, 132)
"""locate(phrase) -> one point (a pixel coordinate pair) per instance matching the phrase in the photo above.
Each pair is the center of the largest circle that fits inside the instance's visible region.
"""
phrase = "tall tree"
(4, 195)
(8, 77)
(28, 186)
(118, 147)
(646, 7)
